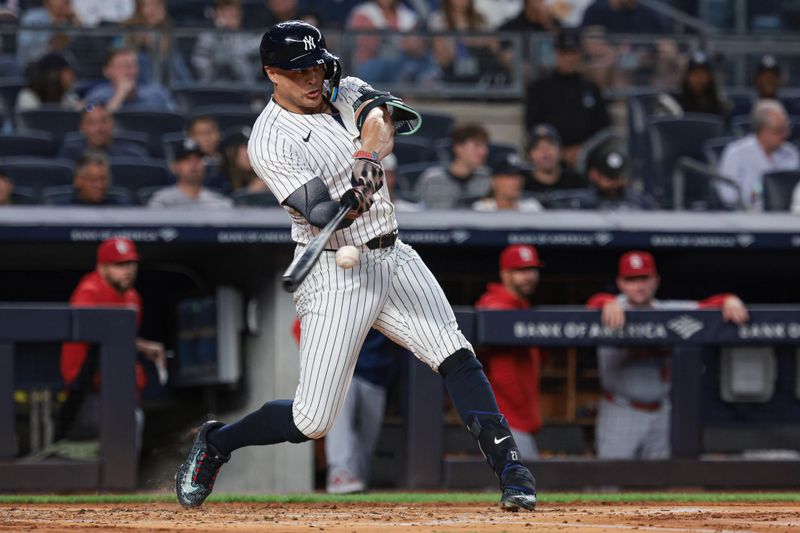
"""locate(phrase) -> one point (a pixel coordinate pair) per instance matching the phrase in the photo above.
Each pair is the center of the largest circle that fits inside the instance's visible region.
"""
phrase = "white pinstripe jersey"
(288, 149)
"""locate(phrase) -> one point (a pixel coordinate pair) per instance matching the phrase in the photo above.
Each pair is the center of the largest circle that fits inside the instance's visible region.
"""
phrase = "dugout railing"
(694, 336)
(114, 333)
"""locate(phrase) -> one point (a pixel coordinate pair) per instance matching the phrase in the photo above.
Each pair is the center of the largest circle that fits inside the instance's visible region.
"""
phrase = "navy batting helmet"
(296, 45)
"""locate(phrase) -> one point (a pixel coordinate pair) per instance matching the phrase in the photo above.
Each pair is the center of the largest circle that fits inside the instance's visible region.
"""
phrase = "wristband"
(363, 154)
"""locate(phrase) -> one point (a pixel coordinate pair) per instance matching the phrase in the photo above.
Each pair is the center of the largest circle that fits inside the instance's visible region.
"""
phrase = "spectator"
(765, 149)
(6, 189)
(624, 16)
(566, 99)
(468, 59)
(390, 177)
(390, 58)
(699, 93)
(441, 187)
(226, 53)
(633, 419)
(122, 91)
(235, 171)
(91, 181)
(795, 207)
(189, 190)
(514, 372)
(92, 13)
(204, 131)
(569, 12)
(275, 11)
(97, 130)
(767, 82)
(535, 16)
(33, 44)
(508, 179)
(50, 81)
(609, 188)
(549, 172)
(153, 15)
(110, 284)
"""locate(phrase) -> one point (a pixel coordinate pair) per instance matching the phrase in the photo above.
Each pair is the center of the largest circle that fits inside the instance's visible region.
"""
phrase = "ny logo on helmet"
(308, 42)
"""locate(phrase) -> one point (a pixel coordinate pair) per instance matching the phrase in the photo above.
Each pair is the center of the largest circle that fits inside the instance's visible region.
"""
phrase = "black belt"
(384, 241)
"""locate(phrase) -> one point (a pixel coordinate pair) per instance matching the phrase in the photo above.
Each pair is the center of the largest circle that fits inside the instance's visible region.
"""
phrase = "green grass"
(413, 497)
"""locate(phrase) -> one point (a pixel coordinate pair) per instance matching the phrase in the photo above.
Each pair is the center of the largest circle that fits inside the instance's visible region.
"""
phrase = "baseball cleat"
(195, 478)
(519, 488)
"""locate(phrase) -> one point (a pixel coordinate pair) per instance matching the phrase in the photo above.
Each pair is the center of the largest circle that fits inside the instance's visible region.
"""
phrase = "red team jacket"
(94, 291)
(513, 372)
(712, 302)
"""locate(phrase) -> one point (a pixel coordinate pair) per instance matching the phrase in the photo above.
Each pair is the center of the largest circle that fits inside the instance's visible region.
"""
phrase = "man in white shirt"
(765, 149)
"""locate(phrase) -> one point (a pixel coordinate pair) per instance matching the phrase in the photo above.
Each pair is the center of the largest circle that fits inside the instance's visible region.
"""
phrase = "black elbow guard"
(314, 202)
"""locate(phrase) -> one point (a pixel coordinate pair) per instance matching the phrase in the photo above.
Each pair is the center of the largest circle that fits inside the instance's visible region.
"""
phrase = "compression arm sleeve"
(313, 201)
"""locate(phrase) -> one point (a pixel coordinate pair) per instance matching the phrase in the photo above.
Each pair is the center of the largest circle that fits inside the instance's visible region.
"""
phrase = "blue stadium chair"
(443, 148)
(255, 199)
(51, 119)
(778, 189)
(409, 150)
(170, 143)
(191, 13)
(713, 148)
(194, 96)
(643, 106)
(133, 173)
(63, 194)
(435, 125)
(153, 123)
(406, 175)
(130, 136)
(38, 173)
(143, 195)
(672, 138)
(36, 144)
(24, 196)
(696, 187)
(228, 117)
(9, 89)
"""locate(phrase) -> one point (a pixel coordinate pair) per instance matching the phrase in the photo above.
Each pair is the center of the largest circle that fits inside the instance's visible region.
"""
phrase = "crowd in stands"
(574, 157)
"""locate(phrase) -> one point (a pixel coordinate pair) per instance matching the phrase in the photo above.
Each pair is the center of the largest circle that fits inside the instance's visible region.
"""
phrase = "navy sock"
(467, 384)
(270, 424)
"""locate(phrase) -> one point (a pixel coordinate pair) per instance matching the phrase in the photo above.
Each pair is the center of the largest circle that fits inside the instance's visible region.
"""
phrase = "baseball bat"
(300, 268)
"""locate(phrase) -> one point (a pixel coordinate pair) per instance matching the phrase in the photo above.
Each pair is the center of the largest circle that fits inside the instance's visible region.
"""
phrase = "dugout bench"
(114, 331)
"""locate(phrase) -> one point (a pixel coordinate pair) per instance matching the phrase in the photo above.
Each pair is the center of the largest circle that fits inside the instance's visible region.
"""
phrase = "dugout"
(190, 254)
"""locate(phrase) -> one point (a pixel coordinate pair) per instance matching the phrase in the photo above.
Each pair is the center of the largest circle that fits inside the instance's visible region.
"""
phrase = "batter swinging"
(318, 145)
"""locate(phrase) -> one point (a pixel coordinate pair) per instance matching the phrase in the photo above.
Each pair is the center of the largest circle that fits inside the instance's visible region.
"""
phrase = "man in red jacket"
(633, 418)
(514, 372)
(110, 284)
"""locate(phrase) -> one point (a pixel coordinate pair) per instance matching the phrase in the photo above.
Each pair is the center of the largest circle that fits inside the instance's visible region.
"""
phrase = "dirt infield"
(430, 517)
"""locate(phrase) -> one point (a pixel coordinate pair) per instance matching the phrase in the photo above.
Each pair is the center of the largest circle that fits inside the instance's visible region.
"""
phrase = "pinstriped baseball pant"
(389, 289)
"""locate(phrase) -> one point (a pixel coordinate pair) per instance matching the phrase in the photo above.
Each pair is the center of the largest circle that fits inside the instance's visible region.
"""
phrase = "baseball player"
(318, 144)
(633, 418)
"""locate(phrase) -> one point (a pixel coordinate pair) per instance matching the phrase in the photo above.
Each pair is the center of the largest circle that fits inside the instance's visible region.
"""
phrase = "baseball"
(347, 256)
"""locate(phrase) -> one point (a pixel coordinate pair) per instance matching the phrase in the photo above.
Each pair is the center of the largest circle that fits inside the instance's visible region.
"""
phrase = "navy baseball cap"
(568, 40)
(609, 162)
(699, 59)
(543, 131)
(509, 164)
(768, 63)
(186, 148)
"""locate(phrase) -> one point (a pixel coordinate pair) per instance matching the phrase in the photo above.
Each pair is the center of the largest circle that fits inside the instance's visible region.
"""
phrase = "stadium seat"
(255, 199)
(51, 119)
(170, 142)
(9, 89)
(192, 97)
(695, 186)
(713, 148)
(191, 13)
(23, 196)
(144, 194)
(130, 136)
(435, 125)
(778, 189)
(672, 138)
(63, 194)
(409, 150)
(133, 173)
(35, 144)
(406, 175)
(641, 108)
(444, 151)
(228, 117)
(152, 123)
(38, 173)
